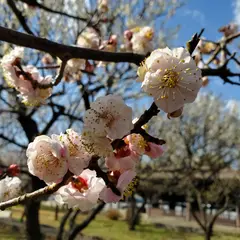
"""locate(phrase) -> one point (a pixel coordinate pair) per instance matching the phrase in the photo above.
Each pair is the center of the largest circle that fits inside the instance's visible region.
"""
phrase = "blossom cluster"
(171, 77)
(26, 79)
(30, 84)
(138, 40)
(108, 119)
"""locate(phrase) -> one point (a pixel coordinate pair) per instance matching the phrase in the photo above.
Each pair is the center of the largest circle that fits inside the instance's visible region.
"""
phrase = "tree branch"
(35, 3)
(63, 223)
(34, 195)
(198, 221)
(19, 16)
(65, 52)
(86, 222)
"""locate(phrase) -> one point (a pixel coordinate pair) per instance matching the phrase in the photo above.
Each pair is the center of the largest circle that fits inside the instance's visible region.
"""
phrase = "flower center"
(139, 141)
(170, 78)
(80, 184)
(149, 35)
(122, 152)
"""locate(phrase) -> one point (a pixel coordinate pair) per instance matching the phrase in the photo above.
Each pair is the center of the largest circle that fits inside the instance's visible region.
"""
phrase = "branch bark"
(86, 222)
(63, 223)
(19, 16)
(34, 195)
(65, 52)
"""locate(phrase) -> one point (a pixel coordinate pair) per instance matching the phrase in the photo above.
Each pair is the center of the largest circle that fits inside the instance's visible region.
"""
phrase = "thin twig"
(34, 195)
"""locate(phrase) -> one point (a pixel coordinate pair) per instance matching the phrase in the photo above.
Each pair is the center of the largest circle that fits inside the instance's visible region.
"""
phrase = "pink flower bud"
(13, 170)
(128, 34)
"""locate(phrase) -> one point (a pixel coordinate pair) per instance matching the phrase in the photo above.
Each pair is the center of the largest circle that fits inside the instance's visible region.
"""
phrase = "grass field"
(112, 230)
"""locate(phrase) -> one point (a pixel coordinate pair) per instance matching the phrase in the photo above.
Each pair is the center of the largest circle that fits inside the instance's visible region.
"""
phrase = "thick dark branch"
(220, 211)
(198, 221)
(86, 222)
(146, 116)
(19, 16)
(219, 72)
(65, 52)
(63, 223)
(223, 73)
(73, 218)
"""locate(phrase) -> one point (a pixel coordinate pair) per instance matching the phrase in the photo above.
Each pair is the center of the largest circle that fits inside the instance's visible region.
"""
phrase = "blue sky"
(208, 14)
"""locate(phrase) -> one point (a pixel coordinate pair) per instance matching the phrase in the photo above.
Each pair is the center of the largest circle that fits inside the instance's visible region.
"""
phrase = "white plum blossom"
(10, 187)
(229, 29)
(138, 40)
(8, 64)
(26, 79)
(82, 192)
(72, 71)
(103, 6)
(50, 158)
(99, 145)
(47, 59)
(142, 40)
(171, 77)
(89, 39)
(78, 158)
(109, 116)
(33, 96)
(47, 158)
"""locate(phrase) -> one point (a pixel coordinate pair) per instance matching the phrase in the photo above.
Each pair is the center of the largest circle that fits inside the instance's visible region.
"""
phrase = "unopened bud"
(176, 113)
(13, 170)
(205, 81)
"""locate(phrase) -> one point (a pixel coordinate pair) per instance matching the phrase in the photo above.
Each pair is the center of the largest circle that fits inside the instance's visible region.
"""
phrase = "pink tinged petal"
(77, 164)
(128, 163)
(86, 198)
(124, 179)
(155, 150)
(108, 196)
(137, 144)
(122, 164)
(42, 160)
(112, 163)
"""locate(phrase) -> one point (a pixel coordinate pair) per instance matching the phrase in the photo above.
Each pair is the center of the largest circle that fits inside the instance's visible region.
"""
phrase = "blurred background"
(192, 191)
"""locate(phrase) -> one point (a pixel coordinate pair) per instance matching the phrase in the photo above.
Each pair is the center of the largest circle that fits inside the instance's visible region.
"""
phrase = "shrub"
(113, 214)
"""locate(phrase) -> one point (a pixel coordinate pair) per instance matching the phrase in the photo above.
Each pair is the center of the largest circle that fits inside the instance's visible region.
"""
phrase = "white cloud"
(196, 15)
(236, 11)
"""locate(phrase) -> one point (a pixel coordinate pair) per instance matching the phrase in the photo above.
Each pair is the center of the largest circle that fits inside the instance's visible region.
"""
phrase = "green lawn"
(114, 230)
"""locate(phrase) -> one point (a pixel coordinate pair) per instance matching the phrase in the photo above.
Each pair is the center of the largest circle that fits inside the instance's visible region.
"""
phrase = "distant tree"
(202, 158)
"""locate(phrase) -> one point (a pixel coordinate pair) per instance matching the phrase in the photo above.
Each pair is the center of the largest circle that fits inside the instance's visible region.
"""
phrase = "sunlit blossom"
(109, 116)
(10, 187)
(171, 77)
(82, 192)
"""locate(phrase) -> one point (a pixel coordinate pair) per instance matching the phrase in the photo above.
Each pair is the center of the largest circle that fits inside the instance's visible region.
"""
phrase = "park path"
(191, 226)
